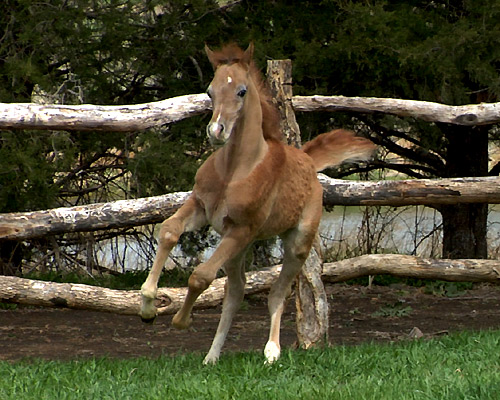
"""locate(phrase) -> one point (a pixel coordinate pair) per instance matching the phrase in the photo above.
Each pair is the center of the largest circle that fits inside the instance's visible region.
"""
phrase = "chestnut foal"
(253, 187)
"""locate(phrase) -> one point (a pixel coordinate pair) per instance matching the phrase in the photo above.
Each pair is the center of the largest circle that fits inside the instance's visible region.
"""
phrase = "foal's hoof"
(179, 322)
(149, 321)
(271, 352)
(210, 360)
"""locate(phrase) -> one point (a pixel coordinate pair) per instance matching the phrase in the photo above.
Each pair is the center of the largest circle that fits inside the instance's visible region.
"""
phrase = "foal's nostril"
(217, 129)
(216, 132)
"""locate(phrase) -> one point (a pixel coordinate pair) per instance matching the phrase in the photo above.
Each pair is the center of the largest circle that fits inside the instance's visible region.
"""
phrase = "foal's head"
(237, 82)
(228, 90)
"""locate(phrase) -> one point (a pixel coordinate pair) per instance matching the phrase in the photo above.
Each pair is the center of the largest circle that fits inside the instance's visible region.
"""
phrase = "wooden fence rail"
(135, 117)
(473, 114)
(78, 296)
(128, 213)
(102, 118)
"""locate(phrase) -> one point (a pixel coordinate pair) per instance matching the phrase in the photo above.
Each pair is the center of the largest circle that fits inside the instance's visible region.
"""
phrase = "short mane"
(233, 54)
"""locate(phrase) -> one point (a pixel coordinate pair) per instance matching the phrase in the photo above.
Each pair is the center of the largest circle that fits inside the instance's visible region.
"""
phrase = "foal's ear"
(248, 54)
(211, 57)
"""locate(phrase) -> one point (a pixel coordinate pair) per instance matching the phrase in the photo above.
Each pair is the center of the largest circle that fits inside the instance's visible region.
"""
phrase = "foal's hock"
(252, 187)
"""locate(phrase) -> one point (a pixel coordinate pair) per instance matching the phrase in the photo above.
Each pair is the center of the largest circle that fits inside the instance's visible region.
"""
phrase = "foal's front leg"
(189, 217)
(232, 244)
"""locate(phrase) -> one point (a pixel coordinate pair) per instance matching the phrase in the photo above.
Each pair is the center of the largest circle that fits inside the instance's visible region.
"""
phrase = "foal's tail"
(335, 147)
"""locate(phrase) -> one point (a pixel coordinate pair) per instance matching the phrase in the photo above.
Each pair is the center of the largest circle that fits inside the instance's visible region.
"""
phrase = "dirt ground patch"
(357, 314)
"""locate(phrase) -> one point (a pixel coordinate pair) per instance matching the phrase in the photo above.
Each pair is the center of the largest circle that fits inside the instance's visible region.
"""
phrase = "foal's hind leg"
(189, 217)
(297, 247)
(233, 296)
(297, 244)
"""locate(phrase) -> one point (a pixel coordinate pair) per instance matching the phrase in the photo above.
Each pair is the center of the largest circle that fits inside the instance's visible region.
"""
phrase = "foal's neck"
(246, 147)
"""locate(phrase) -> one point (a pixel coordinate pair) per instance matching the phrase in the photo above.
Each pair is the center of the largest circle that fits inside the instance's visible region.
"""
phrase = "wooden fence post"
(310, 299)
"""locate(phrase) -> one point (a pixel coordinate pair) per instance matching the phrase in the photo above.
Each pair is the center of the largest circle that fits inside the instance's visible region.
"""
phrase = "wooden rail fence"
(24, 226)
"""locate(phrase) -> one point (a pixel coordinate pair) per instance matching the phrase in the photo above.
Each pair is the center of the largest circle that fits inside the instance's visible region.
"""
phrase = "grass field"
(460, 366)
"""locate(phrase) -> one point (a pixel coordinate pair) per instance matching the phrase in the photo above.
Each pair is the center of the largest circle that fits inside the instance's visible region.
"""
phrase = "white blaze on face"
(229, 79)
(214, 126)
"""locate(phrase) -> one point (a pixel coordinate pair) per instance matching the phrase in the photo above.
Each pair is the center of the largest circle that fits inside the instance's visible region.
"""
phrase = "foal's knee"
(302, 247)
(199, 281)
(170, 231)
(301, 251)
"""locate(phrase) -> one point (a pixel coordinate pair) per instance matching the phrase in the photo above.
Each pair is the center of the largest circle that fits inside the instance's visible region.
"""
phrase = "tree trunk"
(465, 225)
(10, 257)
(310, 299)
(464, 231)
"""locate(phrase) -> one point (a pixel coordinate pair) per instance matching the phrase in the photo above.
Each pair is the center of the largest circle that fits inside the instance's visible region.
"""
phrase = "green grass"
(461, 366)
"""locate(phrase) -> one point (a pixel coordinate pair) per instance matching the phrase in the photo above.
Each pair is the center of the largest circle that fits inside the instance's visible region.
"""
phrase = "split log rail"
(169, 300)
(129, 118)
(150, 210)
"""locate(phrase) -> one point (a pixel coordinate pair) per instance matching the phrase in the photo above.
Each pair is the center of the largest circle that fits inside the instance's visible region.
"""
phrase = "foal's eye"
(242, 93)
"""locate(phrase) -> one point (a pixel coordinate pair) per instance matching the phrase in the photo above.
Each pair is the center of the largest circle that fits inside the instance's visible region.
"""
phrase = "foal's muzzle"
(217, 134)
